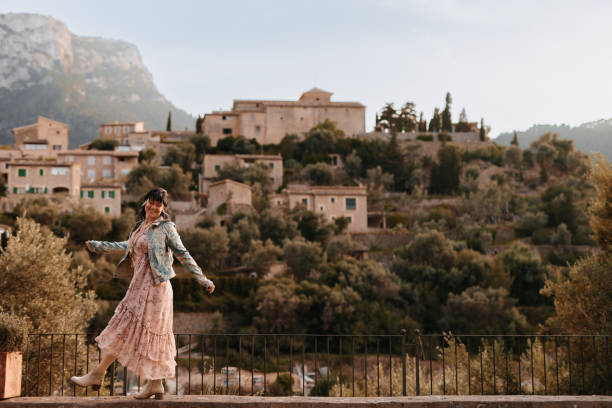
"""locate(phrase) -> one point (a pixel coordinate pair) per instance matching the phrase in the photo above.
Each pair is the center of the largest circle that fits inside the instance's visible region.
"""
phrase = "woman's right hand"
(88, 244)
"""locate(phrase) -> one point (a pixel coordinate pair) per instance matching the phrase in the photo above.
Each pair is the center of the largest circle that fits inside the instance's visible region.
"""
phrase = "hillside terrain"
(82, 81)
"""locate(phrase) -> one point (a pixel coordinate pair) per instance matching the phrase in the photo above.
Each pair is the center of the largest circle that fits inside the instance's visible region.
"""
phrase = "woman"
(139, 335)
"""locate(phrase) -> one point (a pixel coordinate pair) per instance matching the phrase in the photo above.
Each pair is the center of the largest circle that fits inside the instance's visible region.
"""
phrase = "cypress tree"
(514, 141)
(483, 133)
(198, 125)
(422, 123)
(447, 122)
(169, 122)
(434, 123)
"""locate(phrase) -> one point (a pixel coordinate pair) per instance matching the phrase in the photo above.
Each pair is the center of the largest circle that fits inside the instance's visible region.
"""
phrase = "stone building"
(331, 201)
(6, 156)
(269, 121)
(101, 164)
(227, 197)
(120, 131)
(104, 197)
(45, 138)
(212, 163)
(42, 177)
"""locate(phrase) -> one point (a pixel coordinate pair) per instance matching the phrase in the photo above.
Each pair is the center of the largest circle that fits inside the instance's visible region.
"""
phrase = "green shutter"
(106, 210)
(41, 172)
(22, 172)
(103, 193)
(90, 194)
(14, 190)
(111, 194)
(45, 190)
(81, 193)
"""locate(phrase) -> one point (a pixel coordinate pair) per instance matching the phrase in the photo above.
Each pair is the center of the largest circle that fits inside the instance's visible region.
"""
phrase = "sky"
(513, 63)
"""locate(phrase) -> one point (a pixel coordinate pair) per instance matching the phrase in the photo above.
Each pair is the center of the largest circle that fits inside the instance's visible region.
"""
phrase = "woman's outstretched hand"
(210, 286)
(88, 244)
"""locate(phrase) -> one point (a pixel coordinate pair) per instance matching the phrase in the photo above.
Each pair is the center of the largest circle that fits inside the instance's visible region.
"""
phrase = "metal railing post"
(403, 332)
(417, 370)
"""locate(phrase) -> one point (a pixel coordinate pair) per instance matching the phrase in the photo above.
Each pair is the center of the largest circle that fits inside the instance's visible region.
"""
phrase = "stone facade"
(120, 131)
(331, 201)
(101, 164)
(269, 121)
(105, 198)
(42, 177)
(45, 138)
(234, 195)
(212, 163)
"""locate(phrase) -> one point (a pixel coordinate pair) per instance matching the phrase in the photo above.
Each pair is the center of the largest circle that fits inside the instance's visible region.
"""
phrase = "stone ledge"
(229, 401)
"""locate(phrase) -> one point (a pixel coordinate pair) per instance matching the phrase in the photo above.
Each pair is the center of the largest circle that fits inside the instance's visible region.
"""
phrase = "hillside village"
(306, 221)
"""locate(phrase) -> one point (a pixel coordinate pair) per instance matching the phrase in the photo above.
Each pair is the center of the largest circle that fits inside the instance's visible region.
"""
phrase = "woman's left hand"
(210, 287)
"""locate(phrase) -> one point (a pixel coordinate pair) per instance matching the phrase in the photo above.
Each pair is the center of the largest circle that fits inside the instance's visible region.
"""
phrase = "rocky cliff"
(82, 81)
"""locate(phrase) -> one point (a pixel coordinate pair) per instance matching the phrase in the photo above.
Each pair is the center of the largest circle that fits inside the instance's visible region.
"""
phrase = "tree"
(321, 139)
(302, 257)
(422, 127)
(483, 311)
(447, 121)
(39, 285)
(528, 273)
(182, 154)
(601, 211)
(463, 125)
(201, 144)
(85, 223)
(513, 157)
(146, 156)
(209, 247)
(198, 124)
(515, 141)
(321, 174)
(352, 165)
(406, 118)
(482, 131)
(388, 118)
(446, 173)
(274, 225)
(428, 248)
(435, 124)
(103, 144)
(278, 306)
(261, 256)
(169, 122)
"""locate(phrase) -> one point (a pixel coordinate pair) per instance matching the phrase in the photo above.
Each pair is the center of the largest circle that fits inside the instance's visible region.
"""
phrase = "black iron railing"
(341, 365)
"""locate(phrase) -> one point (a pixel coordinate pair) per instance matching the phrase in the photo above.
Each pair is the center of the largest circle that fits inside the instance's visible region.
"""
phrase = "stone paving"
(228, 401)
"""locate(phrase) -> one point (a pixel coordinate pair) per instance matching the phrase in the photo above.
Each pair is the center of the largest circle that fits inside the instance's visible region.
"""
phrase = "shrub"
(13, 332)
(444, 137)
(541, 237)
(425, 138)
(282, 386)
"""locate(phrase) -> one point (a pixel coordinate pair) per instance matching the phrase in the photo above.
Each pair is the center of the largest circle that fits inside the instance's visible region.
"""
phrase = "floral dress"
(140, 332)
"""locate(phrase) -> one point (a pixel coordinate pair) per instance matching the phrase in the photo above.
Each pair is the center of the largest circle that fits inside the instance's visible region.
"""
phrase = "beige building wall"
(269, 121)
(45, 138)
(101, 164)
(32, 177)
(214, 162)
(6, 156)
(104, 198)
(120, 131)
(333, 202)
(230, 192)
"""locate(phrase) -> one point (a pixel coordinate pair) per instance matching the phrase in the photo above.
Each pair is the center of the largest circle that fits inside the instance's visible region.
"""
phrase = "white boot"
(153, 387)
(94, 378)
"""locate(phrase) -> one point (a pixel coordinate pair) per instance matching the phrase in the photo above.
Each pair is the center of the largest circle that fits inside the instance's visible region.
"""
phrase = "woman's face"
(153, 209)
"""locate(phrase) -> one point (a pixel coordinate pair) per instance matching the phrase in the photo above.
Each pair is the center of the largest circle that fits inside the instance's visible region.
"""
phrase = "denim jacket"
(162, 239)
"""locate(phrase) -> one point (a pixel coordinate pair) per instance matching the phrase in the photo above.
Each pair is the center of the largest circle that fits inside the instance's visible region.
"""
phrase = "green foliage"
(312, 226)
(341, 224)
(428, 248)
(302, 257)
(531, 222)
(445, 174)
(274, 225)
(146, 156)
(478, 311)
(352, 165)
(261, 256)
(121, 226)
(182, 154)
(209, 247)
(320, 174)
(340, 246)
(169, 122)
(462, 124)
(103, 144)
(282, 386)
(482, 132)
(201, 144)
(493, 154)
(528, 274)
(560, 204)
(601, 211)
(238, 145)
(85, 223)
(435, 124)
(145, 177)
(444, 137)
(425, 137)
(13, 332)
(447, 122)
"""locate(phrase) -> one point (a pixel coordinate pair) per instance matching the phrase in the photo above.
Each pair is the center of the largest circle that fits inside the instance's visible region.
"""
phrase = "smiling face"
(153, 209)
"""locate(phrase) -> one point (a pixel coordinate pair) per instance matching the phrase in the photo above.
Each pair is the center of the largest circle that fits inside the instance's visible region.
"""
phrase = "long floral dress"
(140, 332)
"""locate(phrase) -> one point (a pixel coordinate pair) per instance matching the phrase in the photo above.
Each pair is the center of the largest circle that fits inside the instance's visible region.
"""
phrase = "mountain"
(589, 137)
(81, 81)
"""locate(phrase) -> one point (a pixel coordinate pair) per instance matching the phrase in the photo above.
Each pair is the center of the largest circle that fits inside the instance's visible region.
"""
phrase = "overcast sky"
(515, 63)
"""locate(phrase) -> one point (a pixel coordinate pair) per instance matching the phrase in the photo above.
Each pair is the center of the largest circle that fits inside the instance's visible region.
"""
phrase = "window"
(69, 158)
(107, 174)
(117, 130)
(21, 172)
(106, 210)
(351, 203)
(227, 131)
(350, 219)
(57, 147)
(81, 193)
(125, 172)
(321, 208)
(107, 160)
(33, 146)
(333, 199)
(111, 194)
(41, 172)
(91, 160)
(257, 128)
(91, 174)
(90, 194)
(15, 190)
(271, 165)
(108, 130)
(59, 171)
(126, 129)
(335, 160)
(305, 201)
(217, 167)
(102, 193)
